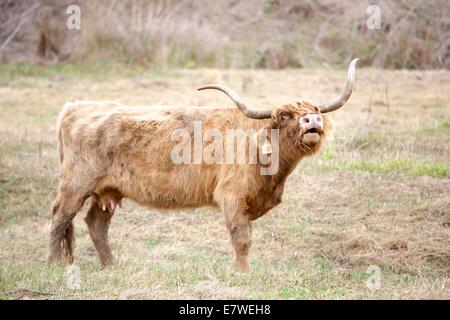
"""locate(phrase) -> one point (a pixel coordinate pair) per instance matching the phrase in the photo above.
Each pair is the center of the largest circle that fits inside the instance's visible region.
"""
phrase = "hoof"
(108, 262)
(243, 266)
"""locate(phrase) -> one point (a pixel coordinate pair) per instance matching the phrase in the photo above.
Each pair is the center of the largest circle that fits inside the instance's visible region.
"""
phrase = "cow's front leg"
(238, 225)
(240, 230)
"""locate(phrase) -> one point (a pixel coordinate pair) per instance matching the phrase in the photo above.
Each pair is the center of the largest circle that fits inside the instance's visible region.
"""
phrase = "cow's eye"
(284, 117)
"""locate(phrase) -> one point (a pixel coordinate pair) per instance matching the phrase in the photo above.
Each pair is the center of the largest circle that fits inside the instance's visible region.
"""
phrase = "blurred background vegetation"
(272, 34)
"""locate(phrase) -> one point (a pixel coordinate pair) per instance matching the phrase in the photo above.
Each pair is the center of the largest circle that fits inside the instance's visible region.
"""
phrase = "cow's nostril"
(318, 119)
(306, 120)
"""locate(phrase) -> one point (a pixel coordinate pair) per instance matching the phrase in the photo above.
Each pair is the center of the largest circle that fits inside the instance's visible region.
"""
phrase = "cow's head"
(302, 122)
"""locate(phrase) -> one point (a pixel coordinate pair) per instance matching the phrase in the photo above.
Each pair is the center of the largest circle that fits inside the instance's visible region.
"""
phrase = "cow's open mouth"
(311, 136)
(312, 130)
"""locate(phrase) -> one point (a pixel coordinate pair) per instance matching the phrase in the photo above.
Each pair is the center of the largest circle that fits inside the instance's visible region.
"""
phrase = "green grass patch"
(42, 278)
(315, 293)
(24, 73)
(151, 243)
(327, 154)
(415, 168)
(371, 140)
(443, 127)
(294, 293)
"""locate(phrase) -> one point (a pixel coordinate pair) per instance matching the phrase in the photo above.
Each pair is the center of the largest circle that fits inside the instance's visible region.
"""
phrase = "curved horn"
(249, 112)
(342, 99)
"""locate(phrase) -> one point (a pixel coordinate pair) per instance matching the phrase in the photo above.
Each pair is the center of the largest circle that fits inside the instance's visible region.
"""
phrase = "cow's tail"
(68, 242)
(66, 237)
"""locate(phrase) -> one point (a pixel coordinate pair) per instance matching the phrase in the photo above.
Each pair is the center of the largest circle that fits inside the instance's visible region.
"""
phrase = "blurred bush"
(271, 34)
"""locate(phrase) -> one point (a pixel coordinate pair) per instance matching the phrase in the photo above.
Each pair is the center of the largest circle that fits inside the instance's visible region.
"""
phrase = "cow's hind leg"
(75, 186)
(65, 208)
(98, 224)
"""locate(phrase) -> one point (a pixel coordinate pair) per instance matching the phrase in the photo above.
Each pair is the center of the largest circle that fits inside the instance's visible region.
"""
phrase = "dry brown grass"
(378, 194)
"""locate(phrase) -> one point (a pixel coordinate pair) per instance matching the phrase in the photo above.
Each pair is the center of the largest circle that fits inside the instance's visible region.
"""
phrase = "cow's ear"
(283, 117)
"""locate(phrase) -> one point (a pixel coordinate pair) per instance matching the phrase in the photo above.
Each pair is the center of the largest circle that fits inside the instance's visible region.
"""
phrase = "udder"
(109, 199)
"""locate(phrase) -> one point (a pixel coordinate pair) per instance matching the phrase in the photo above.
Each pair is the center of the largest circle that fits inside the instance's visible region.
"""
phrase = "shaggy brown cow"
(109, 151)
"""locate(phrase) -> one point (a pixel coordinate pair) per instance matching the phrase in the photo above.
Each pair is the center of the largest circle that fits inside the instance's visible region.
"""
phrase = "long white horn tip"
(351, 69)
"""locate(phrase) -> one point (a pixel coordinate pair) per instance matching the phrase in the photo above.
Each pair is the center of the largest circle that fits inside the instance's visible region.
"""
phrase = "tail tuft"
(68, 242)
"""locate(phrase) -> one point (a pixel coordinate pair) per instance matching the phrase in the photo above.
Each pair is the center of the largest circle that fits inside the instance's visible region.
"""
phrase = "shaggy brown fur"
(108, 146)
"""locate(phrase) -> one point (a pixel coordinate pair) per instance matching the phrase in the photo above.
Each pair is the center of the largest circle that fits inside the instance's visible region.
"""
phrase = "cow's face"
(301, 124)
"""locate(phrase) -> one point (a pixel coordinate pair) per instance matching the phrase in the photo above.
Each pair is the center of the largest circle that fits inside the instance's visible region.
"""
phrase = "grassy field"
(378, 193)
